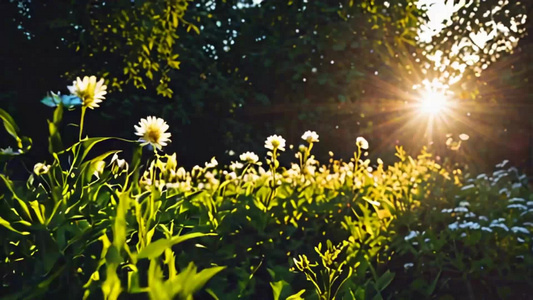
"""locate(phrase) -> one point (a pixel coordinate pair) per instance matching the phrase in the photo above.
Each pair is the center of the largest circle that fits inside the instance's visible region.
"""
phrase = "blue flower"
(69, 101)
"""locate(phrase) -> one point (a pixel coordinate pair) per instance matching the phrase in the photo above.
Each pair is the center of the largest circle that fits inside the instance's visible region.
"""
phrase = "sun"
(432, 102)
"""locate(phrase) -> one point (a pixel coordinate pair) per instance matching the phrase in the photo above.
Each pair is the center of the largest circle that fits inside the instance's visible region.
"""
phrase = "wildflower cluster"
(486, 224)
(349, 227)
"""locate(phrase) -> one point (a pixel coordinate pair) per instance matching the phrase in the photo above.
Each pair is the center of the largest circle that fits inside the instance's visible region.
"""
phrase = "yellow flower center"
(152, 134)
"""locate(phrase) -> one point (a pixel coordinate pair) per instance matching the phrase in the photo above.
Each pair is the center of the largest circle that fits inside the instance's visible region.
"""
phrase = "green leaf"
(431, 288)
(297, 296)
(384, 280)
(277, 287)
(212, 294)
(7, 225)
(54, 140)
(58, 114)
(87, 145)
(155, 249)
(10, 125)
(90, 166)
(120, 225)
(23, 143)
(185, 284)
(201, 278)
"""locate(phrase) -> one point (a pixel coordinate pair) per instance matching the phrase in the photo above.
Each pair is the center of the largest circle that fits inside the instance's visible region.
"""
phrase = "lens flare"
(432, 102)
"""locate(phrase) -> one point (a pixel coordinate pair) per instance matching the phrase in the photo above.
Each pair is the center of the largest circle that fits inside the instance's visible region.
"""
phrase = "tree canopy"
(233, 71)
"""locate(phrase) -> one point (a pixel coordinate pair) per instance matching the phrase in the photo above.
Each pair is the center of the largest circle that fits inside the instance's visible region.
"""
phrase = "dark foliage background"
(247, 71)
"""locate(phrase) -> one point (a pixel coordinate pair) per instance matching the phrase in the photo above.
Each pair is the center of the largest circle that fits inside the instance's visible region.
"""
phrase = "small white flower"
(467, 187)
(470, 215)
(249, 157)
(275, 142)
(235, 165)
(502, 164)
(213, 163)
(460, 209)
(231, 176)
(362, 143)
(504, 191)
(152, 130)
(473, 225)
(487, 229)
(517, 229)
(89, 91)
(464, 136)
(41, 169)
(502, 226)
(411, 235)
(499, 173)
(408, 265)
(517, 206)
(310, 136)
(181, 173)
(453, 226)
(516, 200)
(121, 164)
(10, 151)
(482, 176)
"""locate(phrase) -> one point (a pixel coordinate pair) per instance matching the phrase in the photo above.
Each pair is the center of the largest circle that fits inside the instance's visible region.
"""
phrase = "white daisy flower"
(90, 92)
(152, 130)
(249, 157)
(275, 142)
(310, 136)
(362, 143)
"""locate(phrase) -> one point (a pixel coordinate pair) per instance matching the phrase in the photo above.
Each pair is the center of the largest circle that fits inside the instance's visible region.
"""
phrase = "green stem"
(83, 108)
(356, 160)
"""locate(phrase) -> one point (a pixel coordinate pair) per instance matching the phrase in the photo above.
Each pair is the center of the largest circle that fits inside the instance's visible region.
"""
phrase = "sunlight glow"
(432, 102)
(432, 97)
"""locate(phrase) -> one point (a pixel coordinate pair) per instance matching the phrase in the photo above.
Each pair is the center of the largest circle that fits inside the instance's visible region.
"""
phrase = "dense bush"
(91, 224)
